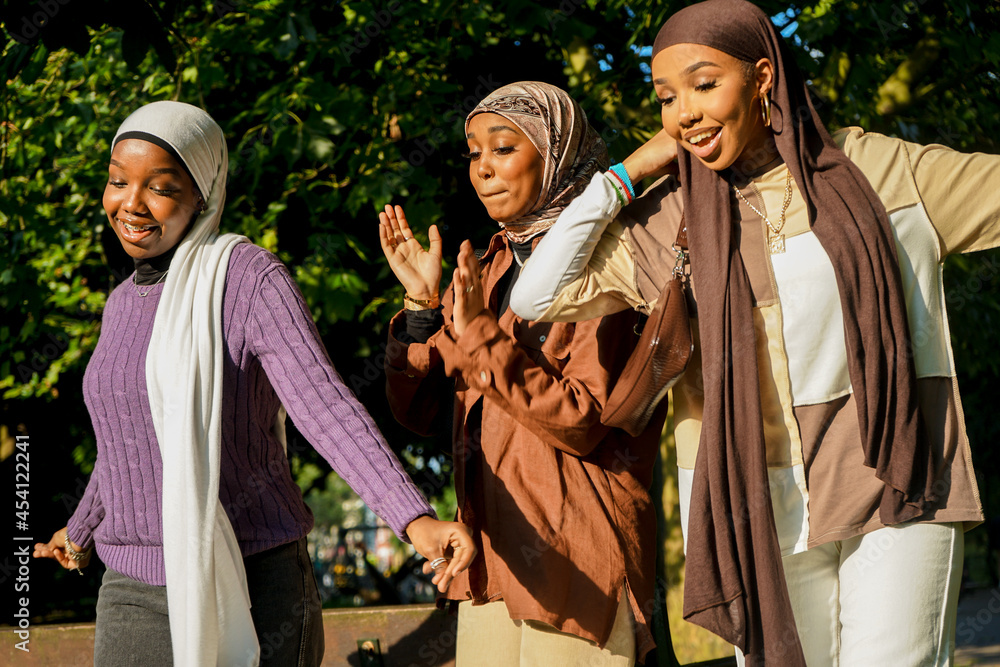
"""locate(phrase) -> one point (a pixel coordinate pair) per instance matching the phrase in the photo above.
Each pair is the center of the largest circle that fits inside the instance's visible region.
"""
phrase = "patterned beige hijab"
(558, 128)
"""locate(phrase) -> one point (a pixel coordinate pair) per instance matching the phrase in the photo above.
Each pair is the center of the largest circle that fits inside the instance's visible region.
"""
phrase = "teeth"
(701, 136)
(132, 228)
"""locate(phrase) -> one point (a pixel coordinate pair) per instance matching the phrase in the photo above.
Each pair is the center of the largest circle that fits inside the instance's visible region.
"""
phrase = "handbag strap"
(681, 250)
(682, 236)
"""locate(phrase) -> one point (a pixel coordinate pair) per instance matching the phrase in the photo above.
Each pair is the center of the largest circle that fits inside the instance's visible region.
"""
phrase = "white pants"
(888, 598)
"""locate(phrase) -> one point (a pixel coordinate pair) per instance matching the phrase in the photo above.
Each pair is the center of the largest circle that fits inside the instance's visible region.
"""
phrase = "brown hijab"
(558, 128)
(735, 584)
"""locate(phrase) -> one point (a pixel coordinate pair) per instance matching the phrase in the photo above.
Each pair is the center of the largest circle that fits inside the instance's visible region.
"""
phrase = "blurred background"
(333, 110)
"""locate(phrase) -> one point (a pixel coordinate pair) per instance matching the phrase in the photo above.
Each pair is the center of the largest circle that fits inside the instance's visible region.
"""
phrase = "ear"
(764, 75)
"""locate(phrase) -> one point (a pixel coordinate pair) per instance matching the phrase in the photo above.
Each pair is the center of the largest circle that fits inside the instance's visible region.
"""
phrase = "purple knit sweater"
(273, 356)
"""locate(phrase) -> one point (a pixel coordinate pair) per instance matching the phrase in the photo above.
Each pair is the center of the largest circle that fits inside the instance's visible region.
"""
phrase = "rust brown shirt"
(558, 502)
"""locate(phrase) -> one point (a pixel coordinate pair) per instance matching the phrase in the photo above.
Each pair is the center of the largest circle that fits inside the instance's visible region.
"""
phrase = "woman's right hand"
(56, 549)
(417, 269)
(653, 159)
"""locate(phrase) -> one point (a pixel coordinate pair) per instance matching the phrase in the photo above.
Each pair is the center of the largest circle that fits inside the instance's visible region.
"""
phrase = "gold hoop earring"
(765, 109)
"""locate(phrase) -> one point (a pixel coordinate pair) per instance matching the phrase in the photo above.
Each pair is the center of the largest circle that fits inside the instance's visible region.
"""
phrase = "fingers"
(459, 284)
(386, 240)
(404, 227)
(445, 572)
(55, 553)
(463, 552)
(452, 552)
(468, 266)
(435, 238)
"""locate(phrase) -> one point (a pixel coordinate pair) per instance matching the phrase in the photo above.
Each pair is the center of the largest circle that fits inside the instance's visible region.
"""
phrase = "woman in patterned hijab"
(556, 501)
(570, 148)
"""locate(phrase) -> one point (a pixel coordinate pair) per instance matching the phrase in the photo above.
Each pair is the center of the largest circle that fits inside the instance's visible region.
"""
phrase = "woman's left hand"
(468, 286)
(448, 540)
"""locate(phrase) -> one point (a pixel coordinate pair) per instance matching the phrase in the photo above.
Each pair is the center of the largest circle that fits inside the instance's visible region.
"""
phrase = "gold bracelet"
(421, 304)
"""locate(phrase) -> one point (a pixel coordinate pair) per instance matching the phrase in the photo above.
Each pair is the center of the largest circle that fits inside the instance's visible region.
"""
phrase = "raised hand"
(447, 545)
(653, 159)
(469, 299)
(417, 269)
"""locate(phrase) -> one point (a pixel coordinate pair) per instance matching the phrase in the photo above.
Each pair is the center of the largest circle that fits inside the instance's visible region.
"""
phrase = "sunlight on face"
(710, 103)
(150, 199)
(504, 166)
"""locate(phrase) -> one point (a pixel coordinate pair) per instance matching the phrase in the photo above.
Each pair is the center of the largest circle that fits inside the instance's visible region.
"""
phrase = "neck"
(759, 158)
(150, 271)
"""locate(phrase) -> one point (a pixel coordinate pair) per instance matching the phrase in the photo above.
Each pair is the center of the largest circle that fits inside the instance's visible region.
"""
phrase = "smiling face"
(504, 167)
(710, 103)
(150, 199)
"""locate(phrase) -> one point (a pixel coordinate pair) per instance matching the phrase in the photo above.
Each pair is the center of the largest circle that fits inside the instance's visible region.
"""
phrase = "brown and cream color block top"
(939, 202)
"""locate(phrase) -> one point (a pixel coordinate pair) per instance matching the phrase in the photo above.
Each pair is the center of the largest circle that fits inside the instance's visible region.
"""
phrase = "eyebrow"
(697, 66)
(690, 69)
(495, 128)
(155, 172)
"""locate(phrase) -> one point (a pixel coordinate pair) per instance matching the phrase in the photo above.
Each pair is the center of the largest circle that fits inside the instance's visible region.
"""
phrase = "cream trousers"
(885, 599)
(487, 637)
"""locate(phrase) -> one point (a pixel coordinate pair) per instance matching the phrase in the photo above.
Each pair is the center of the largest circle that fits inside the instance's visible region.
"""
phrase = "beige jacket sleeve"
(959, 191)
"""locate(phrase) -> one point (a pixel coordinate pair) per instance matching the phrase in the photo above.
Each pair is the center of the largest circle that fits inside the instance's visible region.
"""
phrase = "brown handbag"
(660, 357)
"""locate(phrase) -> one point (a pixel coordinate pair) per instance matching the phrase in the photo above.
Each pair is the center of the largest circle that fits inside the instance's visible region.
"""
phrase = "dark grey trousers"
(133, 627)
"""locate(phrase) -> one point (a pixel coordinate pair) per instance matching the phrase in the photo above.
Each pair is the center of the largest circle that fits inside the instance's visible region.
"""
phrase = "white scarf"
(207, 595)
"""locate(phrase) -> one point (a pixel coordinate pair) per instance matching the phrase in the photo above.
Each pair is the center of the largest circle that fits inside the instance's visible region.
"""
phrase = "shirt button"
(541, 339)
(482, 376)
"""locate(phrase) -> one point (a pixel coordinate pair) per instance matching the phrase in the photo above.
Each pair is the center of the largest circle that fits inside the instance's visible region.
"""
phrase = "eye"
(471, 155)
(503, 150)
(163, 193)
(707, 85)
(666, 101)
(117, 184)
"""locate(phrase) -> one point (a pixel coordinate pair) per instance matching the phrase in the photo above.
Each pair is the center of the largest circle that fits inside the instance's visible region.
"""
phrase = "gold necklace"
(775, 239)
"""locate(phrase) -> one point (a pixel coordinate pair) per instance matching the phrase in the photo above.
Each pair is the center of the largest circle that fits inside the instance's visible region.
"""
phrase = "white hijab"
(208, 600)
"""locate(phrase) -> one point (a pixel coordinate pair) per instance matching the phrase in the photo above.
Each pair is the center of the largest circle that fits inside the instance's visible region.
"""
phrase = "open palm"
(417, 269)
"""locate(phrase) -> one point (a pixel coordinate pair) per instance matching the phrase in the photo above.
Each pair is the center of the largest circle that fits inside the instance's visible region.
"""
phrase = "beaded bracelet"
(74, 555)
(622, 175)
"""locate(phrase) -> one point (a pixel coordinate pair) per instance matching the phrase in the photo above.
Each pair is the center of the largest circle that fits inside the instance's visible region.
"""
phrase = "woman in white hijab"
(201, 352)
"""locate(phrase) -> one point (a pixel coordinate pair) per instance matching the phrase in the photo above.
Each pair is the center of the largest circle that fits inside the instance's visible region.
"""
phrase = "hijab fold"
(208, 599)
(734, 584)
(558, 128)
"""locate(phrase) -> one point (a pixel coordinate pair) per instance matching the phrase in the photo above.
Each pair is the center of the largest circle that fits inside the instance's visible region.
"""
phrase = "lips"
(135, 233)
(703, 142)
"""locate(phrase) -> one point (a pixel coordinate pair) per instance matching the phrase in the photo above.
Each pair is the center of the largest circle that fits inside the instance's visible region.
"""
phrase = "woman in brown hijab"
(825, 472)
(558, 502)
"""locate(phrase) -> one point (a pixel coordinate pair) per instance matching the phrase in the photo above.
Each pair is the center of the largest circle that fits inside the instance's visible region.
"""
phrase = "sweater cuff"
(80, 533)
(401, 505)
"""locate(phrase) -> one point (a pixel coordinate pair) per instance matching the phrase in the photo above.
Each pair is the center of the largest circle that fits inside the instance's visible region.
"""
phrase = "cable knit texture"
(273, 357)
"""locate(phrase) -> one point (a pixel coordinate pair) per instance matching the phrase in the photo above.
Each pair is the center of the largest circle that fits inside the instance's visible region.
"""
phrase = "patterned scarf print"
(558, 128)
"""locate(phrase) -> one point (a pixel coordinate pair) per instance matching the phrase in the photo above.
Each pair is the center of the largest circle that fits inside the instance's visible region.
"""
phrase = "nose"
(132, 201)
(687, 112)
(484, 166)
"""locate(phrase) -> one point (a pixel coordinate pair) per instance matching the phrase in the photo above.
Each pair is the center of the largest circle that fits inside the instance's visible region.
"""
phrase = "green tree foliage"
(333, 110)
